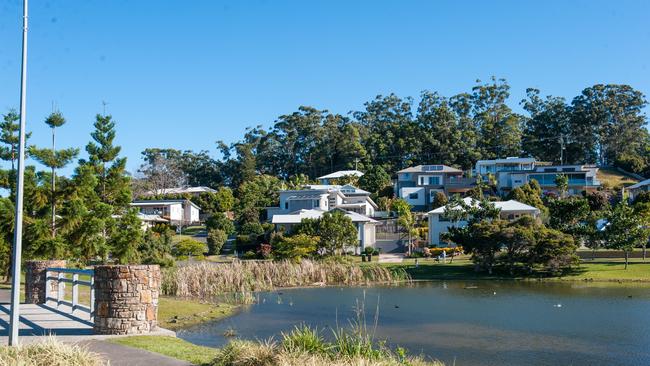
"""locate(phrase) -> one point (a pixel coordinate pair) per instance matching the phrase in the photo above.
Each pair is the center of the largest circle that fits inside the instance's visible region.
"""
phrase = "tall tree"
(162, 170)
(441, 139)
(547, 132)
(54, 159)
(113, 183)
(625, 230)
(9, 136)
(609, 123)
(499, 126)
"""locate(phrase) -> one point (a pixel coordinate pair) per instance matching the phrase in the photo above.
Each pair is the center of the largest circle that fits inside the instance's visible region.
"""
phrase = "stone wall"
(35, 279)
(126, 298)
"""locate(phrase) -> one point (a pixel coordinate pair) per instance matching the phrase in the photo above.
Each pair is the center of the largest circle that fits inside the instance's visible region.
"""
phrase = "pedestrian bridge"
(46, 319)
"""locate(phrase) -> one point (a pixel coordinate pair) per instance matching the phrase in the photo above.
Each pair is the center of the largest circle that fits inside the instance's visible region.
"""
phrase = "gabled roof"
(506, 161)
(504, 206)
(640, 184)
(297, 216)
(341, 173)
(182, 190)
(151, 218)
(162, 203)
(434, 168)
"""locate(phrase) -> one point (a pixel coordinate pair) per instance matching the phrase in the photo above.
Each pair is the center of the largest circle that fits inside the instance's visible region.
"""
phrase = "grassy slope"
(178, 313)
(172, 347)
(612, 178)
(599, 270)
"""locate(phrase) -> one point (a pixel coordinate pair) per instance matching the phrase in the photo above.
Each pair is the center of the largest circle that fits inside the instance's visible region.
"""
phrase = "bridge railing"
(56, 279)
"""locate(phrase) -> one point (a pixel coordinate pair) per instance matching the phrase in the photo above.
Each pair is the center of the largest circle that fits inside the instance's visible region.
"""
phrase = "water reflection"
(473, 323)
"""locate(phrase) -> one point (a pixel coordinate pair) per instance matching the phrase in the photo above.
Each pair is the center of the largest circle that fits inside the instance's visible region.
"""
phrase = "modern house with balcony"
(418, 185)
(439, 223)
(514, 172)
(324, 198)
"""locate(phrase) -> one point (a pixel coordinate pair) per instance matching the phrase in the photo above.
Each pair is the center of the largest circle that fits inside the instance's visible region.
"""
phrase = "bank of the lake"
(598, 270)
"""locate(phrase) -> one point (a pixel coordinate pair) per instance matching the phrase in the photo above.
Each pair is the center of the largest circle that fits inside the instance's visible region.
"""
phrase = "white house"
(364, 224)
(183, 212)
(324, 197)
(332, 177)
(635, 189)
(509, 210)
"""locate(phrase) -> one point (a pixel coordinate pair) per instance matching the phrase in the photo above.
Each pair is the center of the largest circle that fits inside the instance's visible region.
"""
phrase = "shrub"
(264, 251)
(294, 247)
(221, 222)
(250, 255)
(216, 239)
(49, 353)
(188, 247)
(369, 250)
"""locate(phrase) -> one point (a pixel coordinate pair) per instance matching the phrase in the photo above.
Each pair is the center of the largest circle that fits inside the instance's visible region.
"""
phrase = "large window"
(413, 196)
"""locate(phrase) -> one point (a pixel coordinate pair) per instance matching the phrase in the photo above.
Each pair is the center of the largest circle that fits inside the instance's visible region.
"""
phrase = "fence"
(56, 279)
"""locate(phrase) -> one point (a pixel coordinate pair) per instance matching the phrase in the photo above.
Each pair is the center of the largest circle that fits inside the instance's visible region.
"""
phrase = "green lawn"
(172, 347)
(193, 230)
(604, 269)
(176, 313)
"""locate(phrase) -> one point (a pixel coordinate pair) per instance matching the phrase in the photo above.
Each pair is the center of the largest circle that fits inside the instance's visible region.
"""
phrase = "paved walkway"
(119, 355)
(391, 258)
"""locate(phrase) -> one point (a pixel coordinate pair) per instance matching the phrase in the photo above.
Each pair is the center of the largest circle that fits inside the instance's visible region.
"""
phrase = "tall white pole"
(18, 224)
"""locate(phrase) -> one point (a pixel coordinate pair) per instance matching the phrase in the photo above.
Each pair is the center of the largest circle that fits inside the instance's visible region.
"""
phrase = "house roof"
(435, 168)
(341, 173)
(298, 216)
(640, 184)
(182, 190)
(506, 160)
(162, 203)
(151, 218)
(504, 206)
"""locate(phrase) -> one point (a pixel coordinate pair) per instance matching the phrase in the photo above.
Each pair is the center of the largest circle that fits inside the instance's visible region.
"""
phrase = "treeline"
(82, 218)
(604, 125)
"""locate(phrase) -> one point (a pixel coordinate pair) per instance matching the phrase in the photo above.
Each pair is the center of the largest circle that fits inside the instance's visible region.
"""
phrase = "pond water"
(466, 323)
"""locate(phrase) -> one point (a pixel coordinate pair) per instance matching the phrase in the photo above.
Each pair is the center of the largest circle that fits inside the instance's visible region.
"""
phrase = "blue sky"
(185, 74)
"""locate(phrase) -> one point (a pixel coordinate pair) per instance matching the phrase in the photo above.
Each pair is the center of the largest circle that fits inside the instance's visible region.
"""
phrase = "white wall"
(406, 191)
(437, 227)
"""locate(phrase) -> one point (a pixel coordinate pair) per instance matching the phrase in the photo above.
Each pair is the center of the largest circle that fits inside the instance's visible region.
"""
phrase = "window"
(286, 205)
(434, 181)
(413, 196)
(316, 203)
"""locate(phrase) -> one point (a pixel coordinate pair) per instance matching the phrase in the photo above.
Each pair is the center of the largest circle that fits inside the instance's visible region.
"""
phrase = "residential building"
(365, 226)
(333, 177)
(177, 212)
(514, 172)
(418, 185)
(325, 198)
(193, 191)
(635, 189)
(439, 223)
(149, 221)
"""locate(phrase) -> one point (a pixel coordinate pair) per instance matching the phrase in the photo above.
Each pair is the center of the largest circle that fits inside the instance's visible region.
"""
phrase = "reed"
(48, 353)
(238, 279)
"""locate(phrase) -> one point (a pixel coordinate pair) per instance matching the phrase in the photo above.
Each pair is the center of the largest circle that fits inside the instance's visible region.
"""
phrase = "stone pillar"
(126, 298)
(35, 282)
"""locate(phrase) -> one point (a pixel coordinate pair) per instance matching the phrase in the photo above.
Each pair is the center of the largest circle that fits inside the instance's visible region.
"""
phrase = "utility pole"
(18, 227)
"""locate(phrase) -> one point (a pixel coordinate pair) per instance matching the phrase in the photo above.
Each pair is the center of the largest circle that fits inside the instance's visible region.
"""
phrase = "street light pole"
(18, 223)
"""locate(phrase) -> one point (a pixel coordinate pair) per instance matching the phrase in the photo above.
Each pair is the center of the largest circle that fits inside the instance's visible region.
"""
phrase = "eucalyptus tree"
(54, 159)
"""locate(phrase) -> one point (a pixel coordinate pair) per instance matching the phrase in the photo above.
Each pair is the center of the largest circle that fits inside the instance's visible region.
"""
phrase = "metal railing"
(59, 275)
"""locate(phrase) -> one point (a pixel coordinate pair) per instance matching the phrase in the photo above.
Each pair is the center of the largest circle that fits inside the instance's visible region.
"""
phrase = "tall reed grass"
(207, 281)
(48, 353)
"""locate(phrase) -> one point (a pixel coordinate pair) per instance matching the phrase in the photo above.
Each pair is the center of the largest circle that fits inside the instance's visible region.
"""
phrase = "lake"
(469, 323)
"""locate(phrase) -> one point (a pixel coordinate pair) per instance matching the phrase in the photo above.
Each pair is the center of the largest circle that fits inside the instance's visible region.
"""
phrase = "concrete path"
(5, 296)
(119, 355)
(391, 258)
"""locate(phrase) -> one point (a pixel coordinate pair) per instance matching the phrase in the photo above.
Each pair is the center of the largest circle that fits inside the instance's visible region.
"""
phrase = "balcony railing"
(58, 295)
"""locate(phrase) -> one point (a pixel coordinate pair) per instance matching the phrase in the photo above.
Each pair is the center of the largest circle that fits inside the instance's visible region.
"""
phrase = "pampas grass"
(205, 281)
(48, 353)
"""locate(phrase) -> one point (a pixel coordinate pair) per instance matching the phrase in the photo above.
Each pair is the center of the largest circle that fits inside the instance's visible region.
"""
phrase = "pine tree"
(113, 183)
(54, 159)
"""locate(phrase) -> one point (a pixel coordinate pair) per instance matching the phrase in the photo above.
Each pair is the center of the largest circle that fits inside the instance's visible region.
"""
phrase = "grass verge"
(174, 313)
(172, 347)
(599, 270)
